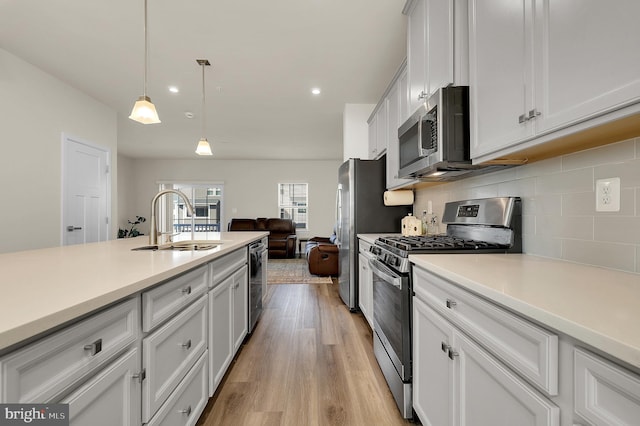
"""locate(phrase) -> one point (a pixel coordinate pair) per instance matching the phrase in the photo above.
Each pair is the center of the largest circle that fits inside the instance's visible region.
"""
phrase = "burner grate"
(425, 244)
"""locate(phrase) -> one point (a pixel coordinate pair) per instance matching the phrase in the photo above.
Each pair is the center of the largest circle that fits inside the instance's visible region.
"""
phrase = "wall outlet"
(608, 195)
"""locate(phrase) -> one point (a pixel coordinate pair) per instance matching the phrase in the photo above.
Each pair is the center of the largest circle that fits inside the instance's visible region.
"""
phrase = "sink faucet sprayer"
(153, 231)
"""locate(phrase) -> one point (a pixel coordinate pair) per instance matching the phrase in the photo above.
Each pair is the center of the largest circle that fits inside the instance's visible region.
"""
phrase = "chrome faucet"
(153, 229)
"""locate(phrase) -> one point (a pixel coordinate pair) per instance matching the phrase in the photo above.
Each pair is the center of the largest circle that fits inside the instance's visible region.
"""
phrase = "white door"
(85, 193)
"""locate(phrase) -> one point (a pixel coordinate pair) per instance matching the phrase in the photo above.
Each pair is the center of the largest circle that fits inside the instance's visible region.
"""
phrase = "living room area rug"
(292, 271)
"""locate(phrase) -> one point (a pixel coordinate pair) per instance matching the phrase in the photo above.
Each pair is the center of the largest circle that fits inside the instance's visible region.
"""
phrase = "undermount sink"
(186, 245)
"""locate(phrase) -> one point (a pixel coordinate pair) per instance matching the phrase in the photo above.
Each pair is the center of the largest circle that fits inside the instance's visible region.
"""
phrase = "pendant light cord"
(204, 112)
(146, 50)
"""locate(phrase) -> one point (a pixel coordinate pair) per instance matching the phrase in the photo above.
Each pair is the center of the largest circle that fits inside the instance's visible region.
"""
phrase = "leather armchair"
(282, 237)
(322, 256)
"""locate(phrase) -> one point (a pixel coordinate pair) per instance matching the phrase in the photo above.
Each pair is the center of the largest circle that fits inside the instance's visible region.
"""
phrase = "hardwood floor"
(309, 362)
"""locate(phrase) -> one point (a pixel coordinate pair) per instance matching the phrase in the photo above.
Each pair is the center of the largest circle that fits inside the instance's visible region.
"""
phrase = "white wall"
(559, 217)
(35, 109)
(355, 130)
(250, 187)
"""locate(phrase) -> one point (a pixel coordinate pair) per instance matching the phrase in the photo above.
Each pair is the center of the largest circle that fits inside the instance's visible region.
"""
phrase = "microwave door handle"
(382, 271)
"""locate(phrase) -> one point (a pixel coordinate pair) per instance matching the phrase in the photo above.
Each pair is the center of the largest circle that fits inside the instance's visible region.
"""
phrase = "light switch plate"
(608, 195)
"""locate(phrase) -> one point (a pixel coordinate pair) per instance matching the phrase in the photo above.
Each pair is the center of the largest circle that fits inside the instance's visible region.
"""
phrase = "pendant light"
(143, 110)
(203, 145)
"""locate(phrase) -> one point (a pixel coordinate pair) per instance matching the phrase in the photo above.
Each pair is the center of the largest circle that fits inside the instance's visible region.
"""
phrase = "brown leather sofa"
(322, 256)
(282, 233)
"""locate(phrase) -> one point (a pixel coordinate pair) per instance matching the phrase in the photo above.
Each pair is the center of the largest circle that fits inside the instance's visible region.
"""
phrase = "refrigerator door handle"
(338, 214)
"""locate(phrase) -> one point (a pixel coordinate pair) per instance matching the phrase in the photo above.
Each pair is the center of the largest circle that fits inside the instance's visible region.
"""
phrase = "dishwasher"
(258, 258)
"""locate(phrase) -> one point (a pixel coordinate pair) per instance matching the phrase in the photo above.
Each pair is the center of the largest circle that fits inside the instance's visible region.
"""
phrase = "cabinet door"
(112, 397)
(169, 353)
(439, 44)
(432, 369)
(240, 307)
(589, 59)
(373, 137)
(365, 284)
(186, 403)
(416, 54)
(381, 131)
(220, 340)
(491, 395)
(605, 394)
(500, 68)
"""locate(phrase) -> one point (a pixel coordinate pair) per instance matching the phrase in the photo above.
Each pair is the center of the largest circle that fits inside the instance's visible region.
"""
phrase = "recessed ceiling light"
(173, 89)
(315, 91)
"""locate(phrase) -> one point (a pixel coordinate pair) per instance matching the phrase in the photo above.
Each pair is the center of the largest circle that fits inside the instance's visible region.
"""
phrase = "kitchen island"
(46, 288)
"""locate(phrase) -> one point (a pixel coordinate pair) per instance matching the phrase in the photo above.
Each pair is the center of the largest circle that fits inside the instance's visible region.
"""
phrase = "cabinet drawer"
(604, 393)
(162, 302)
(170, 352)
(44, 369)
(113, 390)
(530, 350)
(223, 267)
(187, 402)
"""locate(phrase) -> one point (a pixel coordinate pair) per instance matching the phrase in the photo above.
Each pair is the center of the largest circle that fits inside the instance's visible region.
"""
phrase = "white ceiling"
(266, 55)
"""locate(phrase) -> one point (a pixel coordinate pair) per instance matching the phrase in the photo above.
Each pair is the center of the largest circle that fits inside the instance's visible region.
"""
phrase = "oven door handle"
(387, 274)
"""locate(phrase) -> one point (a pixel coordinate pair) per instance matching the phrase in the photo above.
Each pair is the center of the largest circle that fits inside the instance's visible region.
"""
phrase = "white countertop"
(594, 305)
(42, 289)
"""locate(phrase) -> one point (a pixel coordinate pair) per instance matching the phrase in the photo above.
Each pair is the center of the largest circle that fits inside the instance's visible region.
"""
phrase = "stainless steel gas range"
(488, 225)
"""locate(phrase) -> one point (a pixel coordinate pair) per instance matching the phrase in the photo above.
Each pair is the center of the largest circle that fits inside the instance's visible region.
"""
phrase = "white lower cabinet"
(220, 347)
(457, 382)
(47, 368)
(228, 322)
(112, 397)
(189, 399)
(365, 288)
(605, 394)
(169, 353)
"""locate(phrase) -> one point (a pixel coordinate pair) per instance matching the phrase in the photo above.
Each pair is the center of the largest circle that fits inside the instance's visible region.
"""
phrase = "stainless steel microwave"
(434, 141)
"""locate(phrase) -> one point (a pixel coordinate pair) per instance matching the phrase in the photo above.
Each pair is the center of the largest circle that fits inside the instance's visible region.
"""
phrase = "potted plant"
(132, 231)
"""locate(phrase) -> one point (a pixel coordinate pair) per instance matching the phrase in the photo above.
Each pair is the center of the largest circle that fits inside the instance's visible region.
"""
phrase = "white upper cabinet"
(417, 53)
(540, 66)
(590, 59)
(437, 37)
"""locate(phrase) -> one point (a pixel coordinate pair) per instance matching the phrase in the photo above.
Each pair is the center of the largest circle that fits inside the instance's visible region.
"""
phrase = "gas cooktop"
(426, 244)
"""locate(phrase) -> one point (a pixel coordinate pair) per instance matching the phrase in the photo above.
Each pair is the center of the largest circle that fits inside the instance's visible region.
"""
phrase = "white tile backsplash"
(559, 217)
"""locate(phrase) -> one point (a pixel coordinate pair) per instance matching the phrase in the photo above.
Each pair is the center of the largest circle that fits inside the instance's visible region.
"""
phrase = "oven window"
(392, 315)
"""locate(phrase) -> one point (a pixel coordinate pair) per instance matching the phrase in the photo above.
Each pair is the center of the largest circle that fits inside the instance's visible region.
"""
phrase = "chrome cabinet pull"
(186, 290)
(451, 303)
(94, 347)
(422, 95)
(140, 376)
(522, 118)
(445, 347)
(187, 344)
(186, 411)
(533, 114)
(73, 228)
(453, 354)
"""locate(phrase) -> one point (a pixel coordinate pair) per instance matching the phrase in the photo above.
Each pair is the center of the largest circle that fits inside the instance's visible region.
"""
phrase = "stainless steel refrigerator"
(360, 209)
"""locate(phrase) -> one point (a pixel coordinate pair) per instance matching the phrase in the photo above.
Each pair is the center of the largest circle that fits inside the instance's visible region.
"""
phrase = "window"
(206, 200)
(293, 203)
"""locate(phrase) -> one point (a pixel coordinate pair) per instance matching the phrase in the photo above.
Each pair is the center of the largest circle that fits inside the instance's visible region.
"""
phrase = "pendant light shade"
(203, 145)
(143, 110)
